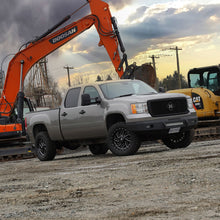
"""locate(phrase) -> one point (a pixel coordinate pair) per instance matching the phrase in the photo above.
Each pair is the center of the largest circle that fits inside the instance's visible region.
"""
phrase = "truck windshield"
(122, 88)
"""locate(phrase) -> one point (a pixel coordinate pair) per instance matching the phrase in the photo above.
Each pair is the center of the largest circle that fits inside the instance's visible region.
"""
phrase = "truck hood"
(145, 98)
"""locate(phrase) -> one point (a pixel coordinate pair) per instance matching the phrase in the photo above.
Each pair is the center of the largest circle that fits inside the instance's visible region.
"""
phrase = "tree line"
(170, 82)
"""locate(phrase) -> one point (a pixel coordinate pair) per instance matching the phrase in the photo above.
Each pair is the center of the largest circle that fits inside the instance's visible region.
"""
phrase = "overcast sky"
(147, 27)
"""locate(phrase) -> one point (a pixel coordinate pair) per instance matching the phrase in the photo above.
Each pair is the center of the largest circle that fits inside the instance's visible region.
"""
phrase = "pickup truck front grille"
(166, 107)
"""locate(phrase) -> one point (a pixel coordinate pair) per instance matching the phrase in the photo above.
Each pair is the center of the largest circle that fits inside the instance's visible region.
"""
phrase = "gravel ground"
(156, 183)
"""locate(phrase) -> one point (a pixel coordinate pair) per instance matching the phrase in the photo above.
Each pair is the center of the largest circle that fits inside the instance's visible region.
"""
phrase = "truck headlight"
(190, 103)
(139, 108)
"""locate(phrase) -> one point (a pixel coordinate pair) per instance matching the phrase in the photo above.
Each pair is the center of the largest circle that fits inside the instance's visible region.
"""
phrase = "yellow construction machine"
(204, 88)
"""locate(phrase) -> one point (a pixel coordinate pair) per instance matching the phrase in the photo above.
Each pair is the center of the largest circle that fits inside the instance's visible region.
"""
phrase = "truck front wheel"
(179, 140)
(45, 148)
(122, 141)
(98, 149)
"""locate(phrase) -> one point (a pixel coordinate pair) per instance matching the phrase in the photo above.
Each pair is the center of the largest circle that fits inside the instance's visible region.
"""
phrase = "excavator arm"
(51, 40)
(22, 62)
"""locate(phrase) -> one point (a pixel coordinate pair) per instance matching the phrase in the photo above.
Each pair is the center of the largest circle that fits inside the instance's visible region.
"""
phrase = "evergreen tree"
(171, 82)
(98, 78)
(109, 77)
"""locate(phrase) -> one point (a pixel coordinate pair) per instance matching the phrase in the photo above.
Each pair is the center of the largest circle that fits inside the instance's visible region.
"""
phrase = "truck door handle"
(82, 112)
(64, 114)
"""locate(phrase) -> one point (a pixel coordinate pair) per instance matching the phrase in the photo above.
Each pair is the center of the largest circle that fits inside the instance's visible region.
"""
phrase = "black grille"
(165, 107)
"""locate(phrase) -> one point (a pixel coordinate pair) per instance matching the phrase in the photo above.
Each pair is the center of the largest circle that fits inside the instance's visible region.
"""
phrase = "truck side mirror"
(86, 100)
(98, 100)
(161, 90)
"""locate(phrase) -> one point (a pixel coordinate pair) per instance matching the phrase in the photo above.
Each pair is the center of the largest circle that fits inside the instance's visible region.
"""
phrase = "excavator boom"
(46, 44)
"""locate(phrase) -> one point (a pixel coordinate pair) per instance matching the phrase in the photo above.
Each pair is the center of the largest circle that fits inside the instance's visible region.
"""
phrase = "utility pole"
(153, 57)
(68, 72)
(178, 65)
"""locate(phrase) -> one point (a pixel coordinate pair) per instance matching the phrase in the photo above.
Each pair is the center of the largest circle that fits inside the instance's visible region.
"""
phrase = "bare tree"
(41, 87)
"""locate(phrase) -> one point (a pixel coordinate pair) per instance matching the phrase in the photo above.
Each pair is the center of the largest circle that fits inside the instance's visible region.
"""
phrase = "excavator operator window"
(195, 80)
(213, 83)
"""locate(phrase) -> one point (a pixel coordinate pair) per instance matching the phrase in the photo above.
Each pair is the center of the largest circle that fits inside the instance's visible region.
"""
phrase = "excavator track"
(15, 149)
(207, 130)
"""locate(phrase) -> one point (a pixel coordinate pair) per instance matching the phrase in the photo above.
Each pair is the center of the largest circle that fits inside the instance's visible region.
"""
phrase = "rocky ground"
(156, 183)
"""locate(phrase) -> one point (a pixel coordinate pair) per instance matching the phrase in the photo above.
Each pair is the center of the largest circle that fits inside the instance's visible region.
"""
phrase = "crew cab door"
(82, 122)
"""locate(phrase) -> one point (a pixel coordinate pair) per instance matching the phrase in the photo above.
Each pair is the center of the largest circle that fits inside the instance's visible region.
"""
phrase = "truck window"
(72, 98)
(92, 91)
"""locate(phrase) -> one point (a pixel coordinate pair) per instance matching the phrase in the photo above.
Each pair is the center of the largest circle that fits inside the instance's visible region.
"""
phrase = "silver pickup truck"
(116, 115)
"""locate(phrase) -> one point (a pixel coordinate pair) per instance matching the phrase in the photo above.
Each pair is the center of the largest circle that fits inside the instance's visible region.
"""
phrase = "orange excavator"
(13, 96)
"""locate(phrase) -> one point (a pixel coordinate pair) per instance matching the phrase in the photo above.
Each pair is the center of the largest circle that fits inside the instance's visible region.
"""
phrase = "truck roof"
(103, 82)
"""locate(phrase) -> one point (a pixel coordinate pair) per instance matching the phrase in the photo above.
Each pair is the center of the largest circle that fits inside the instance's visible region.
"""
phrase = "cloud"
(139, 12)
(169, 25)
(162, 27)
(24, 20)
(119, 4)
(35, 17)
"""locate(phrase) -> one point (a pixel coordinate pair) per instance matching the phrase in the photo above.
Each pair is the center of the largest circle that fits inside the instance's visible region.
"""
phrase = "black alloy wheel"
(45, 148)
(122, 141)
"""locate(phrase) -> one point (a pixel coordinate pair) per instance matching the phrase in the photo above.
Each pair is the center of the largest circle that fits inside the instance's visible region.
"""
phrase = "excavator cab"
(206, 77)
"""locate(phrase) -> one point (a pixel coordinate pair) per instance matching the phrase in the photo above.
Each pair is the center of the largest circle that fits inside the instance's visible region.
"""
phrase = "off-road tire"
(179, 140)
(122, 141)
(45, 148)
(98, 149)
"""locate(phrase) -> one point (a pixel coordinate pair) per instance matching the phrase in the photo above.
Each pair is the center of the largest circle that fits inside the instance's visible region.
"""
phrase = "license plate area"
(174, 130)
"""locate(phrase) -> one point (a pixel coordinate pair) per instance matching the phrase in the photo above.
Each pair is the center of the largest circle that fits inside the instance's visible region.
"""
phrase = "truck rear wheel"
(179, 140)
(122, 141)
(45, 148)
(98, 149)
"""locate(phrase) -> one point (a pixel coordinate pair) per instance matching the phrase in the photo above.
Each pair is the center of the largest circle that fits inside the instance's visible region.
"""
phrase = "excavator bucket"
(146, 73)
